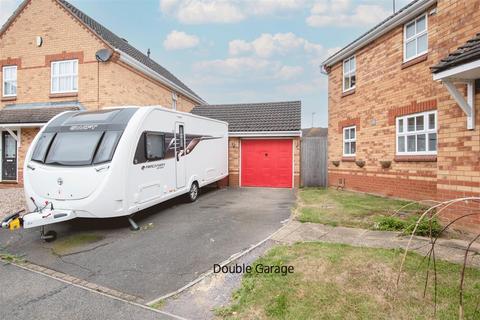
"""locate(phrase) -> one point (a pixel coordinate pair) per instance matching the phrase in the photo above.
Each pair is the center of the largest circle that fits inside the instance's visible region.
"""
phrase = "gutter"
(399, 19)
(22, 125)
(152, 74)
(265, 133)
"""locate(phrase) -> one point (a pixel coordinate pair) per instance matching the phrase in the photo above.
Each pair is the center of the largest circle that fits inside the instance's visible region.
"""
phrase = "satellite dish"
(103, 55)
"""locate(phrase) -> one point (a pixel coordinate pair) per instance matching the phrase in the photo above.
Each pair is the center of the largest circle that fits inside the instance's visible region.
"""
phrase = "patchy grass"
(334, 281)
(73, 242)
(349, 209)
(393, 223)
(10, 258)
(158, 304)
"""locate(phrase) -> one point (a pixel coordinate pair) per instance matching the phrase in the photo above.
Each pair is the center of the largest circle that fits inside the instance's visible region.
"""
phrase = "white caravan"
(115, 162)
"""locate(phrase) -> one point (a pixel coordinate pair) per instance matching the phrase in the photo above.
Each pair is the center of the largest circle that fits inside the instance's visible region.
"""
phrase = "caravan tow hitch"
(13, 221)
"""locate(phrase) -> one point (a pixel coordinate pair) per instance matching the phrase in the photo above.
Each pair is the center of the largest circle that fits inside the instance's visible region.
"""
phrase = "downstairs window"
(349, 141)
(417, 134)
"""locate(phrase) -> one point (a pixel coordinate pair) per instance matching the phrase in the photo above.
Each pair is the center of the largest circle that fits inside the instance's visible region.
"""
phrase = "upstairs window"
(174, 100)
(417, 134)
(64, 76)
(9, 86)
(415, 41)
(349, 141)
(349, 74)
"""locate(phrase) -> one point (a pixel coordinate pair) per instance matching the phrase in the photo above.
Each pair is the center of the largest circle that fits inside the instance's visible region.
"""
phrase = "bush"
(392, 223)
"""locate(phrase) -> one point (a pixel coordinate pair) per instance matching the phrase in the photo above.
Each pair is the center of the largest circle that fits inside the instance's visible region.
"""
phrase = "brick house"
(403, 111)
(49, 64)
(264, 142)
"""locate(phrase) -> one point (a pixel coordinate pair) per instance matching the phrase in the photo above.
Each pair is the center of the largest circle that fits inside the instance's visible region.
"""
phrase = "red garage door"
(267, 163)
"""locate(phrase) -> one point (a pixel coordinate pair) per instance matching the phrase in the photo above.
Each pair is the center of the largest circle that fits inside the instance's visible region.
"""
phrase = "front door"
(180, 166)
(9, 156)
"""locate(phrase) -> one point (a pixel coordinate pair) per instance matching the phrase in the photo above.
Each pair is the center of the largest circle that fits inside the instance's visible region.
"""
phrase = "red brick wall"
(387, 88)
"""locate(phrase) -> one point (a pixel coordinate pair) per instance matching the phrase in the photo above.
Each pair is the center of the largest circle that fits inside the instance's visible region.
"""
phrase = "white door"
(180, 166)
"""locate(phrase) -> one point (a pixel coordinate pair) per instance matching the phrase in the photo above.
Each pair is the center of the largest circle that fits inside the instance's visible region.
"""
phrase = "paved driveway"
(178, 241)
(34, 296)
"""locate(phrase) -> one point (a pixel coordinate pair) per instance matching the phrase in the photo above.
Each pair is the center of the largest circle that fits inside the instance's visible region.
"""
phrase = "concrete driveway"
(177, 242)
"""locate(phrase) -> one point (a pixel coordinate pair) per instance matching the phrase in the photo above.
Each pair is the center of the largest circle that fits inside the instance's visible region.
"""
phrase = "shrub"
(392, 223)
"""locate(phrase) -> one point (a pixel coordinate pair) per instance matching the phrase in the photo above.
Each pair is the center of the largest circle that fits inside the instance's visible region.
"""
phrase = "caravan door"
(180, 166)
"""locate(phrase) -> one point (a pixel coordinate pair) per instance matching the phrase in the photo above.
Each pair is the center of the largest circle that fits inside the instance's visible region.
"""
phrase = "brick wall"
(234, 161)
(99, 85)
(387, 88)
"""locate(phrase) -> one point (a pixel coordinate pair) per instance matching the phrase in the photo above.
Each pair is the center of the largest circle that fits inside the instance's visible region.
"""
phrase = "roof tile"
(34, 115)
(266, 116)
(466, 53)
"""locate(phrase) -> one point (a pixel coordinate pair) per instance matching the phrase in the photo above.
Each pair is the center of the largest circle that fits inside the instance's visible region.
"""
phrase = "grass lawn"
(345, 208)
(334, 281)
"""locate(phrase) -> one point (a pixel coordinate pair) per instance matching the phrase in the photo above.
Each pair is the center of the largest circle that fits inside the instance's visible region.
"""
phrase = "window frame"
(154, 133)
(174, 100)
(414, 37)
(350, 73)
(349, 140)
(10, 80)
(426, 131)
(74, 76)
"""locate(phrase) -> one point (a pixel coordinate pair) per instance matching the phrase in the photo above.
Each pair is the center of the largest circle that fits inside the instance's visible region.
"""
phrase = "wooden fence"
(314, 161)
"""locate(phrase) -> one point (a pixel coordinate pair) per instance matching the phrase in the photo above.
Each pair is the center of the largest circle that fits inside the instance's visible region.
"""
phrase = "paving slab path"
(451, 250)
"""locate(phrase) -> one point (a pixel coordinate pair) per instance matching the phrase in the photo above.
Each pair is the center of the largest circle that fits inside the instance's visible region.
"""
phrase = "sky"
(241, 51)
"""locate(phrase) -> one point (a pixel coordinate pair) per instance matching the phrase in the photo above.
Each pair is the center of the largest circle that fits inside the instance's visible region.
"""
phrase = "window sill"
(63, 95)
(348, 159)
(12, 98)
(348, 92)
(427, 158)
(9, 182)
(414, 61)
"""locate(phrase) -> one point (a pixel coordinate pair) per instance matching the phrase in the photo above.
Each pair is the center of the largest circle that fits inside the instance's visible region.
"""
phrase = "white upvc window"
(415, 39)
(174, 100)
(349, 73)
(417, 134)
(64, 76)
(9, 82)
(349, 141)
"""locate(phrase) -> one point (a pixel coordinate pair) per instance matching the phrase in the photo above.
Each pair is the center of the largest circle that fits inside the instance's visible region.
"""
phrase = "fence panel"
(314, 161)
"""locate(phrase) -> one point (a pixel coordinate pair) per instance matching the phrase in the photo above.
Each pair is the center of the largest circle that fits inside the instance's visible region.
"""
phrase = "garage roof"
(255, 117)
(468, 52)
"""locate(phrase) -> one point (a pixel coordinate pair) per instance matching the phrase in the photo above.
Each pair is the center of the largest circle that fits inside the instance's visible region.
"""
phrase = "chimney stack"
(148, 52)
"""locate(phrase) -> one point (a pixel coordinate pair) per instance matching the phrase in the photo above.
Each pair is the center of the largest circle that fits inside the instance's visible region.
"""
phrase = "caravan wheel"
(193, 193)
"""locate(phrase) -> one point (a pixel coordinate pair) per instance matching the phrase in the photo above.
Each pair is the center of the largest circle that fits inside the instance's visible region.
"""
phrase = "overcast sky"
(241, 51)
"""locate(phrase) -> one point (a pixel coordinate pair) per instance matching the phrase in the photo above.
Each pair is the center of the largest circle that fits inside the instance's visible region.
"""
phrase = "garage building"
(264, 142)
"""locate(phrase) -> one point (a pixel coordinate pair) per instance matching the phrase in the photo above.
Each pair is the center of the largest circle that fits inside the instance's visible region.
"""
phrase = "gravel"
(11, 200)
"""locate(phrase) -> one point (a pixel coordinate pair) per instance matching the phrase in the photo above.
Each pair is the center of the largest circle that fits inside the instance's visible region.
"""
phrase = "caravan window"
(107, 147)
(154, 146)
(74, 148)
(42, 146)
